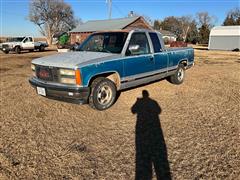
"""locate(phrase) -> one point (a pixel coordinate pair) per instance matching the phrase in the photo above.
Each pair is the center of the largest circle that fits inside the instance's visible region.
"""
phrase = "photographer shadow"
(151, 150)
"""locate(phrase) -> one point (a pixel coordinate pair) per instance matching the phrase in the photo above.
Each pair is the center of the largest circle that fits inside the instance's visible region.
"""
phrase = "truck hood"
(10, 43)
(74, 59)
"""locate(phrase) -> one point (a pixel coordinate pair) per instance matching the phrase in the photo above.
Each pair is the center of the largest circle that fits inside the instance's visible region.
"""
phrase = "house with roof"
(81, 32)
(168, 36)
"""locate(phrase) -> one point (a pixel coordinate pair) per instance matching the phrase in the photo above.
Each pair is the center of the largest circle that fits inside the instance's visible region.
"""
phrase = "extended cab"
(108, 62)
(18, 44)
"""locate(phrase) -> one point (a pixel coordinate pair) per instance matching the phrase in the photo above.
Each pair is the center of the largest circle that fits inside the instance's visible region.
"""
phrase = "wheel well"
(184, 63)
(113, 76)
(17, 47)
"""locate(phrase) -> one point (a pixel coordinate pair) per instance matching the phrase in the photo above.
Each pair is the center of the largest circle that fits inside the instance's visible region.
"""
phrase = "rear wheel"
(18, 50)
(103, 94)
(179, 76)
(41, 48)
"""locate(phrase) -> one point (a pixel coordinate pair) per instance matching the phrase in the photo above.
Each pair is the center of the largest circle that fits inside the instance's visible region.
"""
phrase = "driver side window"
(138, 45)
(26, 40)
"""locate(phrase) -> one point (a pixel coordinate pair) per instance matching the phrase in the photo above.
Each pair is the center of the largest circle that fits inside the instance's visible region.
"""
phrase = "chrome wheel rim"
(104, 95)
(180, 74)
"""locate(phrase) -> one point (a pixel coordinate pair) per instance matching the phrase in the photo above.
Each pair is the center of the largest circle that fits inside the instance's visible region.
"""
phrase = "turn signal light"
(78, 77)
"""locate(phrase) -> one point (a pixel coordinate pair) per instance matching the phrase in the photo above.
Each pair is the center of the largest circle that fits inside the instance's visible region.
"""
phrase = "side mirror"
(132, 49)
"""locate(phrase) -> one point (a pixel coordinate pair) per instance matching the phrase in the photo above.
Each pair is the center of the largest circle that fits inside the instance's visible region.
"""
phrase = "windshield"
(15, 39)
(111, 42)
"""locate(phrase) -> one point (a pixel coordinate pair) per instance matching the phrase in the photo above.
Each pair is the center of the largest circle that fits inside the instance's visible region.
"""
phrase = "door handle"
(151, 58)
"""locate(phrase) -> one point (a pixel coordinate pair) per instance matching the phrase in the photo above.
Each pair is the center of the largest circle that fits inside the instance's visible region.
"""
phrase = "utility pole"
(109, 2)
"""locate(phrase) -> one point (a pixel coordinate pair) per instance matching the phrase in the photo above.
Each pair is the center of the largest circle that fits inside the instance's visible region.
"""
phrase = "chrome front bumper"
(73, 94)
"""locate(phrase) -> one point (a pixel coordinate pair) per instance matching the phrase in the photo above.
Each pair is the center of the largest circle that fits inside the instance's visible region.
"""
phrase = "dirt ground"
(198, 136)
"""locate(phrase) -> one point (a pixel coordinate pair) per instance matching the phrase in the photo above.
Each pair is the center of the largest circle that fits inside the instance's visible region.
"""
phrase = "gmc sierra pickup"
(107, 62)
(17, 44)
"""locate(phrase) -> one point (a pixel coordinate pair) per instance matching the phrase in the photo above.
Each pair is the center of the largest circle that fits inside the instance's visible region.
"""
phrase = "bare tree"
(172, 24)
(193, 35)
(52, 17)
(181, 26)
(205, 22)
(185, 23)
(233, 17)
(205, 19)
(157, 24)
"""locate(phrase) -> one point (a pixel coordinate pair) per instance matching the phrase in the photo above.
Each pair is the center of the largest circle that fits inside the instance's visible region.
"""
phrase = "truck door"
(139, 60)
(28, 43)
(160, 55)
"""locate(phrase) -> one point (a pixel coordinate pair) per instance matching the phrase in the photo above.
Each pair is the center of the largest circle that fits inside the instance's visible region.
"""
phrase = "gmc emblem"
(44, 73)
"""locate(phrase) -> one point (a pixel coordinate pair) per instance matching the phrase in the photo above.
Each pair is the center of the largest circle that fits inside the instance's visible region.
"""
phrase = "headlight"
(67, 72)
(67, 80)
(68, 76)
(33, 67)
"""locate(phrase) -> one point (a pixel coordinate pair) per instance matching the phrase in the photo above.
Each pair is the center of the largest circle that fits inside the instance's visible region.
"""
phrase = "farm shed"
(84, 30)
(224, 38)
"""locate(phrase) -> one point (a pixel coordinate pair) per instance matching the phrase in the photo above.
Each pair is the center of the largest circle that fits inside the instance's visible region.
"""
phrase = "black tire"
(30, 50)
(6, 52)
(41, 48)
(179, 76)
(18, 50)
(102, 89)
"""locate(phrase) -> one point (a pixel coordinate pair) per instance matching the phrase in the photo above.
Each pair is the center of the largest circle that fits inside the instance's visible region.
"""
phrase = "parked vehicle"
(108, 62)
(18, 44)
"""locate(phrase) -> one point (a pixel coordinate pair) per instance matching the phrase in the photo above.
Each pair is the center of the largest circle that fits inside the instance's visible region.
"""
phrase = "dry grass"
(46, 139)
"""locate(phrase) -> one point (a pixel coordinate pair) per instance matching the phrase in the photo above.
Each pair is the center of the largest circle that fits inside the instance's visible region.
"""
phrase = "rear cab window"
(155, 42)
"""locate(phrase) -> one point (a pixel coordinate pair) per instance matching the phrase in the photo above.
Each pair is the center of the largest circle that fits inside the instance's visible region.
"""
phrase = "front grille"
(4, 46)
(47, 73)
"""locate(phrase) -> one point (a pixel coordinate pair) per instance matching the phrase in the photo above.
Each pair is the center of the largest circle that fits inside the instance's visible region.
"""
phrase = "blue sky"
(13, 13)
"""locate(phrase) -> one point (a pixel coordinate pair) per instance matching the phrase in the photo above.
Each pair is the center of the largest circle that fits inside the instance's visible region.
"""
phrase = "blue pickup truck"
(107, 62)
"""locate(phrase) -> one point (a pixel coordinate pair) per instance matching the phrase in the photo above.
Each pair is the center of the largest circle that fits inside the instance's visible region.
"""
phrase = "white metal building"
(224, 38)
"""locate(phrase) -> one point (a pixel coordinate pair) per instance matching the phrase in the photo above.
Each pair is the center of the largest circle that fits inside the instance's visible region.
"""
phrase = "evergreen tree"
(204, 32)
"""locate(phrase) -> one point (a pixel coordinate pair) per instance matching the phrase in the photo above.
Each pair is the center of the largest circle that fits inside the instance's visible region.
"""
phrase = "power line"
(118, 9)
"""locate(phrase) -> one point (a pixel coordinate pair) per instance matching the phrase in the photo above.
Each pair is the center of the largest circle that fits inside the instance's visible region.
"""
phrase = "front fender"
(90, 71)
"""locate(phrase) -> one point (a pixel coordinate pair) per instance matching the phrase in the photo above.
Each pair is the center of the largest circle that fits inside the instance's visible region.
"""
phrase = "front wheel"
(103, 94)
(6, 52)
(179, 76)
(18, 50)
